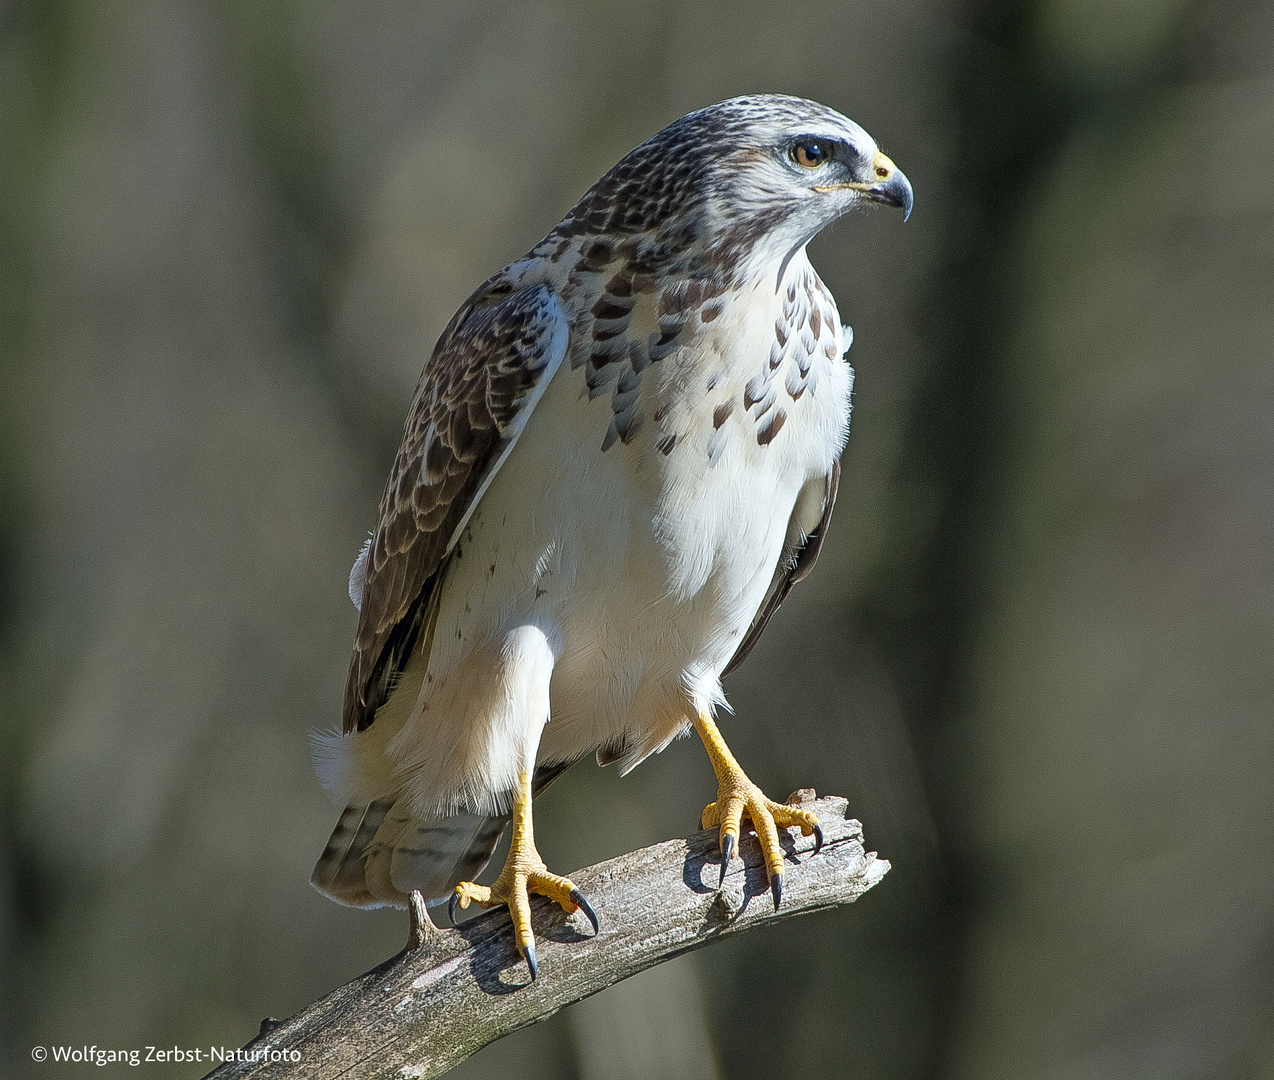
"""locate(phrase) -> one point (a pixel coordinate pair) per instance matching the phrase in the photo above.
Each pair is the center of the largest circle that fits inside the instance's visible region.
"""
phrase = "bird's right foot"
(524, 873)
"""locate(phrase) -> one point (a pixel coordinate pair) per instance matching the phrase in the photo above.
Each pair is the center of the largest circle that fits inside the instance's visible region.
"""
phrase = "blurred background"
(1037, 654)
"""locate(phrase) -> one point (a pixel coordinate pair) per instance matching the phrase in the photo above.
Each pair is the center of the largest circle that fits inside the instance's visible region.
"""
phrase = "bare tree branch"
(431, 1006)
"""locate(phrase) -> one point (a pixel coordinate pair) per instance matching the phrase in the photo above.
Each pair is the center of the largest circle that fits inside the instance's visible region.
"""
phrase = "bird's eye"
(811, 153)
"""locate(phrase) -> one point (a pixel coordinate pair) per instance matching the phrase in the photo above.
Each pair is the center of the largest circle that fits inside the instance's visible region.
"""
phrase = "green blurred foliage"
(1038, 653)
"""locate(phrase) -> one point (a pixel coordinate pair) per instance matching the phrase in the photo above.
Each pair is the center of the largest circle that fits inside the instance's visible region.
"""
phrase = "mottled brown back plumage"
(470, 394)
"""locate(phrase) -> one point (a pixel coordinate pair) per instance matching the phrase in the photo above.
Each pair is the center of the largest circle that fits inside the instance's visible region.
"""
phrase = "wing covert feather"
(488, 370)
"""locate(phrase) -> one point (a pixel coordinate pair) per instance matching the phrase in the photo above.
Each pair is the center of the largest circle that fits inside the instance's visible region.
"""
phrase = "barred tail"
(379, 852)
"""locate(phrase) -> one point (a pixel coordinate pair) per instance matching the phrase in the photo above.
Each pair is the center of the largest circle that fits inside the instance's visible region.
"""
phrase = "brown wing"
(799, 555)
(486, 373)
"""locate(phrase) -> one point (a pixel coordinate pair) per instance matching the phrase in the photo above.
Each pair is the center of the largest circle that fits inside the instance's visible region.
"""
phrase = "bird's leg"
(524, 873)
(736, 796)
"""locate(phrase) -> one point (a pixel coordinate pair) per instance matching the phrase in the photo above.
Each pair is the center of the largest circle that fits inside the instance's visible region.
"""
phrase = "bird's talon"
(818, 839)
(467, 893)
(531, 961)
(776, 889)
(577, 898)
(727, 853)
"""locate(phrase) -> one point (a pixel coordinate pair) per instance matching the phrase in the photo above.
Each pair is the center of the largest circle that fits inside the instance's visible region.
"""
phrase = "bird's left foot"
(737, 796)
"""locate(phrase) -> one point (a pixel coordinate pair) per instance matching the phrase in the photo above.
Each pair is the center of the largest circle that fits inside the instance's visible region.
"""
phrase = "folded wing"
(486, 374)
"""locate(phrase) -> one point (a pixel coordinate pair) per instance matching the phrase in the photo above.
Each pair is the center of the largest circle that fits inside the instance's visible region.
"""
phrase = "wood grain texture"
(427, 1009)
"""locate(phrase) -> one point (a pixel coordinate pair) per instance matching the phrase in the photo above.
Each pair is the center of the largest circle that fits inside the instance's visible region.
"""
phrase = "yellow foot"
(736, 796)
(524, 873)
(515, 889)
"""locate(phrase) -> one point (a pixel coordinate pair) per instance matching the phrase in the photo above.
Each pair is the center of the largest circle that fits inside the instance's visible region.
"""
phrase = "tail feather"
(339, 871)
(379, 853)
(436, 856)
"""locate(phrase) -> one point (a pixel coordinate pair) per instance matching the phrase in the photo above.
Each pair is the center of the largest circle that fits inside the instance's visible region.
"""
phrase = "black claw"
(776, 887)
(577, 898)
(727, 853)
(453, 905)
(531, 961)
(818, 839)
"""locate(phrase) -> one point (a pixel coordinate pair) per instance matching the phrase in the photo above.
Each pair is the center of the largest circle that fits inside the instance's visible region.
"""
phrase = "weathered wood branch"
(428, 1008)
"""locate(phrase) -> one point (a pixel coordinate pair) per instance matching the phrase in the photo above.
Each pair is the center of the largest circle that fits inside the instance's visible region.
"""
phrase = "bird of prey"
(621, 455)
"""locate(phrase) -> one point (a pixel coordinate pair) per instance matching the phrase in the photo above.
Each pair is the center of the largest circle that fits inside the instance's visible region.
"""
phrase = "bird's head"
(787, 156)
(752, 178)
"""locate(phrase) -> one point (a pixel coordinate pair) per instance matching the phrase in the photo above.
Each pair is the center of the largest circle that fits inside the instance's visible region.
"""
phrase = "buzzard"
(621, 455)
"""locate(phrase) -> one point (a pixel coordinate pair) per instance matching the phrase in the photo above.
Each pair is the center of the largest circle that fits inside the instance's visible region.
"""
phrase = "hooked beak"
(890, 186)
